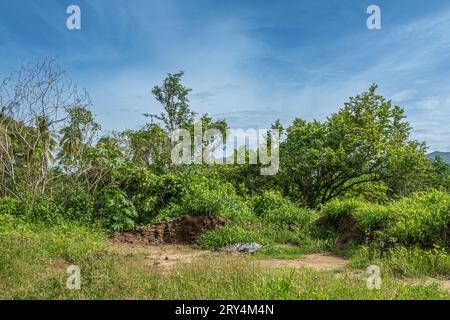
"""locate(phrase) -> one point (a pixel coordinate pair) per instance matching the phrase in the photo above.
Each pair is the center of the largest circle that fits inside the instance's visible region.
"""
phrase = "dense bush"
(42, 209)
(115, 210)
(203, 195)
(149, 192)
(422, 219)
(74, 203)
(66, 203)
(9, 205)
(369, 217)
(274, 208)
(232, 234)
(403, 261)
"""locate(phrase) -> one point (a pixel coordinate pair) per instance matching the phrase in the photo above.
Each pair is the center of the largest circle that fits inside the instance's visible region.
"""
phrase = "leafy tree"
(34, 102)
(79, 133)
(366, 141)
(173, 96)
(440, 174)
(150, 146)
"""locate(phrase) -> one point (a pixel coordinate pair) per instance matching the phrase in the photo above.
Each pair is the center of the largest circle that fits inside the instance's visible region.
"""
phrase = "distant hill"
(444, 155)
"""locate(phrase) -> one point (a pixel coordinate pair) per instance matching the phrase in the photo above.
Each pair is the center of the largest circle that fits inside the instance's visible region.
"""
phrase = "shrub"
(268, 201)
(231, 234)
(202, 195)
(65, 203)
(115, 210)
(374, 192)
(368, 217)
(9, 206)
(340, 207)
(423, 219)
(42, 209)
(403, 261)
(73, 203)
(272, 207)
(149, 192)
(372, 217)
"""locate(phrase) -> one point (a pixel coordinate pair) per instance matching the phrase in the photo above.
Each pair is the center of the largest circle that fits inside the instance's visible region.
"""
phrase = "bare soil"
(182, 230)
(163, 257)
(316, 261)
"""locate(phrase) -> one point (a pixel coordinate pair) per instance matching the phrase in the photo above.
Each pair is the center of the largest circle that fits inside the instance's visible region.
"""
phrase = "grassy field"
(34, 260)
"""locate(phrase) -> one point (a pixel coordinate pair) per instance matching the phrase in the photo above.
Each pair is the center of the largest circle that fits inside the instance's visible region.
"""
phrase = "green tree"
(150, 146)
(440, 174)
(173, 97)
(77, 134)
(365, 141)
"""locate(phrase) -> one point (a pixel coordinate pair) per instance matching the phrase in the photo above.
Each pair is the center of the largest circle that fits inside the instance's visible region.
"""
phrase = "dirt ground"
(164, 257)
(167, 256)
(316, 261)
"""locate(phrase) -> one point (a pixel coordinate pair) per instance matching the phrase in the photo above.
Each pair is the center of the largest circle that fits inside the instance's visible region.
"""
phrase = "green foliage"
(42, 209)
(115, 210)
(373, 217)
(268, 201)
(173, 97)
(340, 207)
(9, 206)
(149, 192)
(67, 240)
(369, 217)
(440, 174)
(375, 192)
(365, 141)
(74, 203)
(76, 135)
(274, 208)
(403, 261)
(206, 195)
(422, 219)
(231, 234)
(150, 147)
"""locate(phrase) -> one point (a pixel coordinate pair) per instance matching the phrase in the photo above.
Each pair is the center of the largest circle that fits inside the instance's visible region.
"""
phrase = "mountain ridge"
(444, 155)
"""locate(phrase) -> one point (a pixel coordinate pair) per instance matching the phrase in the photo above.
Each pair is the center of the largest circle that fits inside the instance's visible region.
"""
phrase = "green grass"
(286, 251)
(405, 262)
(34, 261)
(422, 219)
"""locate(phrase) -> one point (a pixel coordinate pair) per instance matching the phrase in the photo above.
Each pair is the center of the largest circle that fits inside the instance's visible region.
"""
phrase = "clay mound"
(182, 230)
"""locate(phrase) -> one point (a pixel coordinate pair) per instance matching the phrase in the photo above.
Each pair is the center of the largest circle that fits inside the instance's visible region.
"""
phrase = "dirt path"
(316, 261)
(163, 257)
(168, 256)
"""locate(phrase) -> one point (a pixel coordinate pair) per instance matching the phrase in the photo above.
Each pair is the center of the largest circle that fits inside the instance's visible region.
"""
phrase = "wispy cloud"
(248, 63)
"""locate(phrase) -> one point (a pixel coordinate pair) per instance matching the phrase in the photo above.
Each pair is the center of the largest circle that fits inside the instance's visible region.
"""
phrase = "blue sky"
(249, 62)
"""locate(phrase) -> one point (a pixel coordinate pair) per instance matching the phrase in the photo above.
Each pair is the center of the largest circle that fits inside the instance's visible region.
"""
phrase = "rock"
(247, 247)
